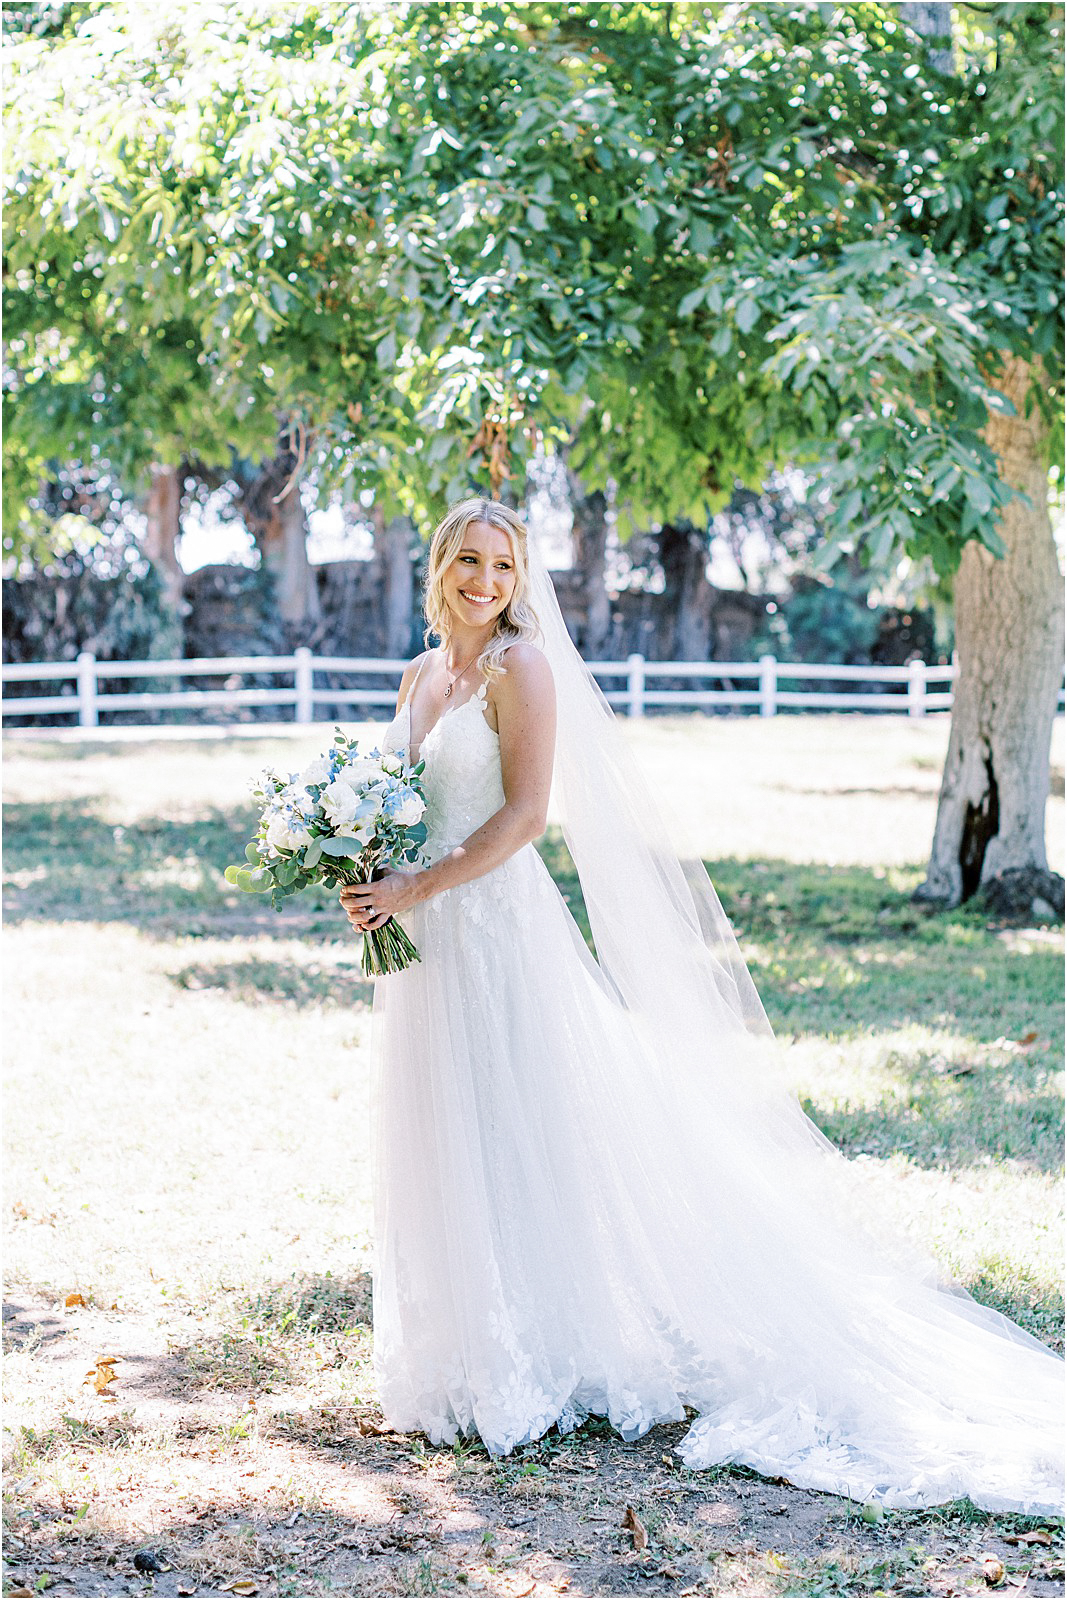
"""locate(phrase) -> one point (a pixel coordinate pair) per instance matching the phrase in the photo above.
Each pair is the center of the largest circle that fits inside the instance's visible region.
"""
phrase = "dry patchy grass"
(187, 1151)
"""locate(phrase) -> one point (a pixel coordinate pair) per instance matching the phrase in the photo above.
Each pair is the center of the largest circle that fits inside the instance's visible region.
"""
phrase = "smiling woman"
(594, 1195)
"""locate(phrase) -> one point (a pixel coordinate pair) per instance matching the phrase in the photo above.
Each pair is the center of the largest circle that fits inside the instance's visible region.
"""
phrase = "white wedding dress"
(568, 1225)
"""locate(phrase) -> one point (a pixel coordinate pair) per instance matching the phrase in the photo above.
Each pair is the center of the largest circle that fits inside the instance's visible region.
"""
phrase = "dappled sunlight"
(189, 1152)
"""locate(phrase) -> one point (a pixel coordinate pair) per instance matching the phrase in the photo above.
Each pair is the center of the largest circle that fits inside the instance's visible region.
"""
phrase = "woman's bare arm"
(525, 703)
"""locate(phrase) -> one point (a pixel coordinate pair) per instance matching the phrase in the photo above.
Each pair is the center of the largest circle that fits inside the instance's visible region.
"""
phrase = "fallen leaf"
(1028, 1038)
(633, 1524)
(186, 1588)
(530, 1587)
(992, 1570)
(102, 1374)
(291, 1521)
(76, 1300)
(21, 1594)
(239, 1586)
(1039, 1536)
(366, 1425)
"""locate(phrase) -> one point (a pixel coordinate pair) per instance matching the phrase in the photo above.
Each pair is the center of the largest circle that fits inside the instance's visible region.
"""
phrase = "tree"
(1009, 622)
(696, 241)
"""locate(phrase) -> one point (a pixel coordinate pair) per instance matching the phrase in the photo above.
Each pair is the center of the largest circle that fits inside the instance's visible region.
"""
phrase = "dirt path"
(256, 1491)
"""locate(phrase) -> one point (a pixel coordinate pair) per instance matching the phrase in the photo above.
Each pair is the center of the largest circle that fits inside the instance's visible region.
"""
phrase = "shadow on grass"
(266, 1333)
(943, 1123)
(255, 980)
(65, 863)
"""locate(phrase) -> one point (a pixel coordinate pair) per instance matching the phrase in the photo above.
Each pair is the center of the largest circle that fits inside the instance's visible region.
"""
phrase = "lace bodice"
(462, 780)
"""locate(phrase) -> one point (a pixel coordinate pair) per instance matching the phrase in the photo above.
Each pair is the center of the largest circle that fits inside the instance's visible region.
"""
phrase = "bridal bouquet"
(342, 820)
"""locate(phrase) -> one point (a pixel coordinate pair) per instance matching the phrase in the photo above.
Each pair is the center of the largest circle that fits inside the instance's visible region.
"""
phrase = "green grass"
(187, 1124)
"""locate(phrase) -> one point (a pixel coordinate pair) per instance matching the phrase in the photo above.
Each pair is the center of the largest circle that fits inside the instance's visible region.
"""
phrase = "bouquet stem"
(385, 949)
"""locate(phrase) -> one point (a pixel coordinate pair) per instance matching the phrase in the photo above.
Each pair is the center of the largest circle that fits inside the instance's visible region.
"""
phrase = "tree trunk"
(933, 19)
(279, 528)
(990, 830)
(683, 554)
(590, 538)
(163, 531)
(287, 554)
(398, 586)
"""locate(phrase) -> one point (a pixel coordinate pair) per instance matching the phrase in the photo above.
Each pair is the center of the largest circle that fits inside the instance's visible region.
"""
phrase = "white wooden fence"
(742, 683)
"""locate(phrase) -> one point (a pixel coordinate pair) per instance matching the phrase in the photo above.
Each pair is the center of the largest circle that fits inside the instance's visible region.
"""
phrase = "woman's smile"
(480, 580)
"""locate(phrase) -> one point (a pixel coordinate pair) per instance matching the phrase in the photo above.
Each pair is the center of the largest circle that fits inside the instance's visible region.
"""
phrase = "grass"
(187, 1151)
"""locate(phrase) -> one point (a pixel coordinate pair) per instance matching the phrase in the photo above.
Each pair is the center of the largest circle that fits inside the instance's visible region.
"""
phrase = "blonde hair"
(518, 620)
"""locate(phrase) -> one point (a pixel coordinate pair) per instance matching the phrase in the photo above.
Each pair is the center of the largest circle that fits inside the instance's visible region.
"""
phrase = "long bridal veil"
(853, 1365)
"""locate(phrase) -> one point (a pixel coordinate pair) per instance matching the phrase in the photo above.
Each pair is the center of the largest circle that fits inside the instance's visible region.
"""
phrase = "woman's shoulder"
(525, 656)
(526, 669)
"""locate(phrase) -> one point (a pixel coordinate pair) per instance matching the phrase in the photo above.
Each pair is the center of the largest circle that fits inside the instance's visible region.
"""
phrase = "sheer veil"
(665, 947)
(668, 954)
(659, 927)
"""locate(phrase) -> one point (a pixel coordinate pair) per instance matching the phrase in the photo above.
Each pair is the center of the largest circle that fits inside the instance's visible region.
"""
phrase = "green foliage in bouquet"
(345, 819)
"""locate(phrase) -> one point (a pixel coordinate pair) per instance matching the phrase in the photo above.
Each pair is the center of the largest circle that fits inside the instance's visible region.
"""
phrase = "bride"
(594, 1192)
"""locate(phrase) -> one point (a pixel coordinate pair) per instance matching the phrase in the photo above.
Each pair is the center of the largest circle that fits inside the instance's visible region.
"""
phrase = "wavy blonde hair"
(518, 620)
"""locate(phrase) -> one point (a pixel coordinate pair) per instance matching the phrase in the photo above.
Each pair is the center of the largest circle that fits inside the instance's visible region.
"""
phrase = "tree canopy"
(697, 240)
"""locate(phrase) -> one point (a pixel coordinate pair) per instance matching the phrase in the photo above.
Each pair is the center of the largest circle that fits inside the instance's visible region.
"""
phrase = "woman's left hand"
(369, 905)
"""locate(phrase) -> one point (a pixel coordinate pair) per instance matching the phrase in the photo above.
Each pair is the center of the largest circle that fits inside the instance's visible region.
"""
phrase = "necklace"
(456, 676)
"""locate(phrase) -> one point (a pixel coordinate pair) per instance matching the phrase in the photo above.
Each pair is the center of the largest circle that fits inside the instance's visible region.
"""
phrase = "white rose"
(286, 833)
(278, 832)
(408, 810)
(338, 801)
(360, 772)
(317, 771)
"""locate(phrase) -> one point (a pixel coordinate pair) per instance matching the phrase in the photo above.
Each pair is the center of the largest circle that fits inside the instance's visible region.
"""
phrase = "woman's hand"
(369, 905)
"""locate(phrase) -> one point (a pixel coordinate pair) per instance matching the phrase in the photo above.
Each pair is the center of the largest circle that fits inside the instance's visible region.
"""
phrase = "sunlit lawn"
(187, 1071)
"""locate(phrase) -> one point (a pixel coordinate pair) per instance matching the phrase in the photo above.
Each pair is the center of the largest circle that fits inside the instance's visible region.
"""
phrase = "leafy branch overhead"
(437, 235)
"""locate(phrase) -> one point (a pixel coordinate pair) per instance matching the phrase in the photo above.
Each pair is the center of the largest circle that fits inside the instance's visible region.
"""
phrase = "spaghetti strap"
(414, 681)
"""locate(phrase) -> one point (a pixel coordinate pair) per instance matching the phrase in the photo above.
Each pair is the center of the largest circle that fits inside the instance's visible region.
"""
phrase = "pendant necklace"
(456, 677)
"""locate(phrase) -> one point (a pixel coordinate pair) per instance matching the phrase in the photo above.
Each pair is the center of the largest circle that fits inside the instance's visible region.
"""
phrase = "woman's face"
(481, 579)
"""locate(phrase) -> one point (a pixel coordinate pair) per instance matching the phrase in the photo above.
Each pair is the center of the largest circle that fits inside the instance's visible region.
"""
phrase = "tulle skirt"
(569, 1220)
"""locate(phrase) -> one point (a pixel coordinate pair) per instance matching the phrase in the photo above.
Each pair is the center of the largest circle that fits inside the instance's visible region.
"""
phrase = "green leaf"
(689, 302)
(827, 556)
(979, 495)
(850, 507)
(341, 846)
(252, 854)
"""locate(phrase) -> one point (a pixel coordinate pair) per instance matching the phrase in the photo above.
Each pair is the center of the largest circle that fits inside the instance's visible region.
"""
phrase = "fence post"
(768, 686)
(916, 688)
(635, 684)
(302, 682)
(87, 713)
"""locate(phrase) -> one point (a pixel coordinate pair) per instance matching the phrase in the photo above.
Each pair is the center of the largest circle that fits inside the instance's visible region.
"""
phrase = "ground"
(186, 1186)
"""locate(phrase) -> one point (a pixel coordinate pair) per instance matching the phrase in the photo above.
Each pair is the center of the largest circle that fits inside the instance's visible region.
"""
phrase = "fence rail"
(757, 684)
